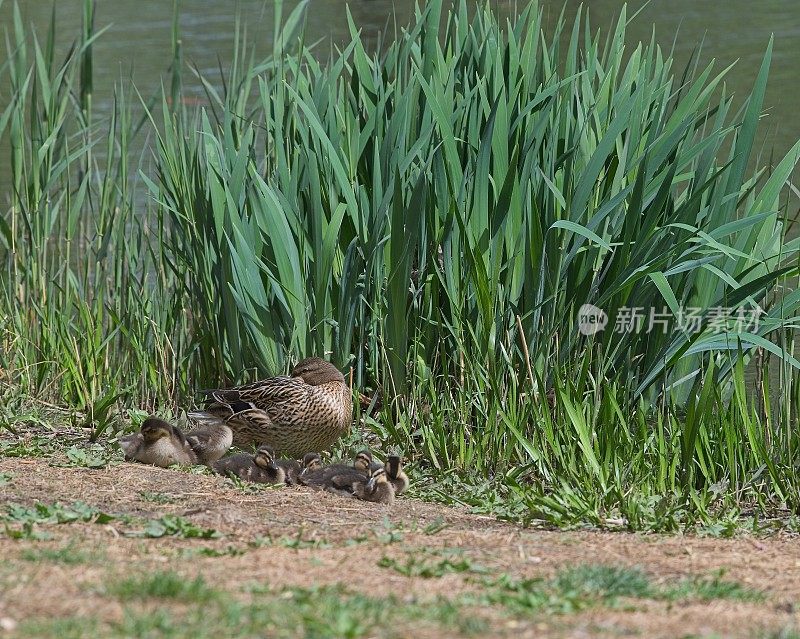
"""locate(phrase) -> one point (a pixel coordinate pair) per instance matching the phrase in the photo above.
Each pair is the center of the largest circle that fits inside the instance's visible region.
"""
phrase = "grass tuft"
(163, 586)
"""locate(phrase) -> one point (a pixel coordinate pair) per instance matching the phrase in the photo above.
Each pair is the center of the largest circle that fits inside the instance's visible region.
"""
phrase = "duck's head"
(265, 457)
(311, 462)
(154, 429)
(363, 461)
(315, 371)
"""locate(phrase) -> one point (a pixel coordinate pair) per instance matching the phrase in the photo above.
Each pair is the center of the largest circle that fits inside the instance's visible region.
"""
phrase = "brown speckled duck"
(259, 468)
(307, 411)
(158, 443)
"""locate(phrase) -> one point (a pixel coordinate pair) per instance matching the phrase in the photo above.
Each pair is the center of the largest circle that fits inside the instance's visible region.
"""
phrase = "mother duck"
(305, 412)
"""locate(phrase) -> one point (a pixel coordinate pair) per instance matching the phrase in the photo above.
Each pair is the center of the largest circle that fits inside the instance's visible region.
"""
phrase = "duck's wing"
(200, 442)
(210, 442)
(233, 464)
(346, 481)
(282, 399)
(291, 469)
(180, 440)
(319, 478)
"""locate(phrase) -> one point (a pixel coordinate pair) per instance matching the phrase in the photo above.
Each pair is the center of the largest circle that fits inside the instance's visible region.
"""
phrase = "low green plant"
(75, 627)
(161, 586)
(29, 447)
(157, 498)
(389, 533)
(421, 565)
(299, 541)
(435, 527)
(55, 513)
(228, 551)
(597, 585)
(86, 458)
(30, 519)
(709, 589)
(176, 526)
(69, 555)
(603, 583)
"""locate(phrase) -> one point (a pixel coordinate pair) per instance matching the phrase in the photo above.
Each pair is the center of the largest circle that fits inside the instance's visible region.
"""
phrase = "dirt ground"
(340, 541)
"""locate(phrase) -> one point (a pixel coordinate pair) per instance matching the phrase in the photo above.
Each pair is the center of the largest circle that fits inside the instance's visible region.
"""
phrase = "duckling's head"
(377, 476)
(393, 467)
(154, 429)
(311, 462)
(363, 461)
(394, 471)
(265, 457)
(315, 371)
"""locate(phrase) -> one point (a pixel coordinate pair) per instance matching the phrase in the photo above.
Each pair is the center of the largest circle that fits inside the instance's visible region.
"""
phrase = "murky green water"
(137, 42)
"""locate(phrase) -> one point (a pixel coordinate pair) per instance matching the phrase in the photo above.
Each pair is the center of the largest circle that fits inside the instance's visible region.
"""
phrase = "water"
(138, 40)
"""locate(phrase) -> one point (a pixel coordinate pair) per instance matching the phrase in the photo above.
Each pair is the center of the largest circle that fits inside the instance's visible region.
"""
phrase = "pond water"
(138, 40)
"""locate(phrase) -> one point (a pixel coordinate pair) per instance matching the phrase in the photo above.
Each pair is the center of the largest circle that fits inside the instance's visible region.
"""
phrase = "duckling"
(374, 487)
(394, 472)
(259, 468)
(311, 462)
(309, 410)
(294, 468)
(377, 488)
(328, 475)
(158, 443)
(397, 477)
(210, 442)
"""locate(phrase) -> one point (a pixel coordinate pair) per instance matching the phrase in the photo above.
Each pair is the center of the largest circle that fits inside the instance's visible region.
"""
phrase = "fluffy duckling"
(311, 462)
(377, 488)
(158, 443)
(294, 468)
(210, 442)
(338, 475)
(259, 468)
(397, 477)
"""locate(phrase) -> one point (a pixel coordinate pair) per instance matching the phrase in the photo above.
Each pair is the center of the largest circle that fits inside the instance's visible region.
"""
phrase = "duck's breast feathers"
(331, 402)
